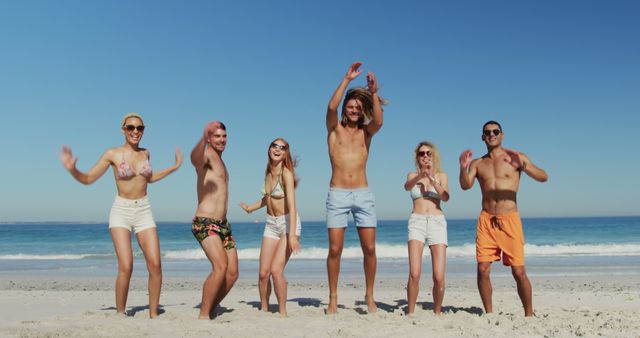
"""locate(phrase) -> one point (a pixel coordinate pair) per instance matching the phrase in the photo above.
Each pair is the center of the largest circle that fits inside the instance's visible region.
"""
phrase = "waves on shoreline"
(383, 251)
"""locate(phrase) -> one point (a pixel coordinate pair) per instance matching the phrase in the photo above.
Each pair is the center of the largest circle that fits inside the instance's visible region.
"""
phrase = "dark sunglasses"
(278, 146)
(131, 127)
(423, 153)
(488, 132)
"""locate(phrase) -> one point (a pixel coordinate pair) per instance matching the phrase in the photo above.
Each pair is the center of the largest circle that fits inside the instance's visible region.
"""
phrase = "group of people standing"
(499, 228)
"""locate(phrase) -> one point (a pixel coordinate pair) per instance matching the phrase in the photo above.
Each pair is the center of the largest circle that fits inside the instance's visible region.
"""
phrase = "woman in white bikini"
(131, 210)
(282, 229)
(428, 186)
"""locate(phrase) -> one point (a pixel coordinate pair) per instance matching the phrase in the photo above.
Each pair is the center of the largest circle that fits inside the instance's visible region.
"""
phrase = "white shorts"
(131, 214)
(428, 228)
(278, 226)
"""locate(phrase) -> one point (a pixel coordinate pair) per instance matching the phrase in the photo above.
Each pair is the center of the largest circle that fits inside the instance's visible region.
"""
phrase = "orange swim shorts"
(500, 234)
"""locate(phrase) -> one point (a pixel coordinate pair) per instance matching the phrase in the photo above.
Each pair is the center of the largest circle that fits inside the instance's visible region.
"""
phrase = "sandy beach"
(55, 306)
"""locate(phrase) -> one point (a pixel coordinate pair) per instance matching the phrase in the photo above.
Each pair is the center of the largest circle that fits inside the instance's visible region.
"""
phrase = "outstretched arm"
(157, 176)
(376, 123)
(69, 163)
(255, 206)
(522, 162)
(334, 103)
(290, 193)
(468, 171)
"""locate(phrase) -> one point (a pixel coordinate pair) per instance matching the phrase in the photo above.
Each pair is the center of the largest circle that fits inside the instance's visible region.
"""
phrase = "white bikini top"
(277, 191)
(416, 192)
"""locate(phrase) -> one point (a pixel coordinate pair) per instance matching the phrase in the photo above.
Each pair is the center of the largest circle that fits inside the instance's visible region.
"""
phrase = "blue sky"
(562, 77)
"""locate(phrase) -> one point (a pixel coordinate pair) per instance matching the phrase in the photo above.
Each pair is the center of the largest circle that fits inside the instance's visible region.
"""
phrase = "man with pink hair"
(210, 226)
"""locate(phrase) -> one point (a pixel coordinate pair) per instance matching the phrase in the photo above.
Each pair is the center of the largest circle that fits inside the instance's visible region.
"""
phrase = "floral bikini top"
(125, 171)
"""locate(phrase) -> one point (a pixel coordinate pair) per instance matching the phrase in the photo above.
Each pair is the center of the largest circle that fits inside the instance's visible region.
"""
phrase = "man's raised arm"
(376, 123)
(334, 103)
(197, 154)
(467, 170)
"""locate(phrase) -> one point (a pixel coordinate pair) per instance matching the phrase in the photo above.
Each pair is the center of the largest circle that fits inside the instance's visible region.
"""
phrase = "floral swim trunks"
(203, 227)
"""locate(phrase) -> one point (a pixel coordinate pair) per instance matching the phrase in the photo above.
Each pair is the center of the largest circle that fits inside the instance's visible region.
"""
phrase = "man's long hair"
(364, 96)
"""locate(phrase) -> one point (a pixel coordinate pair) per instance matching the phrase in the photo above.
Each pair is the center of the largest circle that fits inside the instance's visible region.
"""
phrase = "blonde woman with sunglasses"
(428, 187)
(282, 229)
(131, 210)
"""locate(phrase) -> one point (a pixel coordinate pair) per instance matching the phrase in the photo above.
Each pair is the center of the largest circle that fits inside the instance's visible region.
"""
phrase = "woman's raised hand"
(66, 157)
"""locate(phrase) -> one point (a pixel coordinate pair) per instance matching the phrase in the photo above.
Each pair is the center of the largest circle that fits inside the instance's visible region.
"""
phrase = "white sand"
(564, 306)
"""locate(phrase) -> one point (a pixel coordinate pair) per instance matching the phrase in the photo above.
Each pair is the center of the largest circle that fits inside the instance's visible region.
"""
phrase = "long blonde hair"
(289, 162)
(436, 156)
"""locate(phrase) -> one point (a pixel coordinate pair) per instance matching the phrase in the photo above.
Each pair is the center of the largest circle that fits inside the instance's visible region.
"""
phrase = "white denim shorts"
(428, 228)
(278, 226)
(131, 214)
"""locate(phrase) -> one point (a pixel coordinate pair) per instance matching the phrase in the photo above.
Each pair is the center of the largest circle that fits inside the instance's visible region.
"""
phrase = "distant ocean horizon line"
(321, 220)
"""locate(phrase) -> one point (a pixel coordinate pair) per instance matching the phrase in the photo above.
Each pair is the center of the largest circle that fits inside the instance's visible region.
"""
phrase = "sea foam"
(392, 251)
(383, 251)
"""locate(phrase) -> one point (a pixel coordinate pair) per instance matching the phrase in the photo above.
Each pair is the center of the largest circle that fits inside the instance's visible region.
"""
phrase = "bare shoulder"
(286, 172)
(442, 175)
(288, 177)
(214, 162)
(525, 160)
(411, 175)
(335, 134)
(477, 161)
(369, 133)
(112, 153)
(481, 164)
(333, 127)
(337, 129)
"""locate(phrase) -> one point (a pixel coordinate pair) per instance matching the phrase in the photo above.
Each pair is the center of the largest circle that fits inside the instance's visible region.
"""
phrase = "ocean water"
(554, 246)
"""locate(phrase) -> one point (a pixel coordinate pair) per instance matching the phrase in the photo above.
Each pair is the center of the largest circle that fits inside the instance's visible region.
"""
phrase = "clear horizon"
(316, 221)
(562, 77)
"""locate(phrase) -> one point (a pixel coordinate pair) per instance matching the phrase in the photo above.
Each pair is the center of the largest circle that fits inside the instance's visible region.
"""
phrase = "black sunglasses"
(278, 146)
(423, 153)
(488, 132)
(131, 127)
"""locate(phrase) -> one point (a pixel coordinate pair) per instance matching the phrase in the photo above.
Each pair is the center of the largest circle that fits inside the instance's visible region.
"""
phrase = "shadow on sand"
(429, 306)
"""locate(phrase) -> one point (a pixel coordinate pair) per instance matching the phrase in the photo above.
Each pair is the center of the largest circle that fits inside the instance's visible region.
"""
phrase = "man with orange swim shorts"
(498, 234)
(499, 228)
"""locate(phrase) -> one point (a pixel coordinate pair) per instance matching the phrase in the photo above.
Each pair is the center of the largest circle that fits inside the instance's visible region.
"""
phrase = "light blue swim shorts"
(360, 202)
